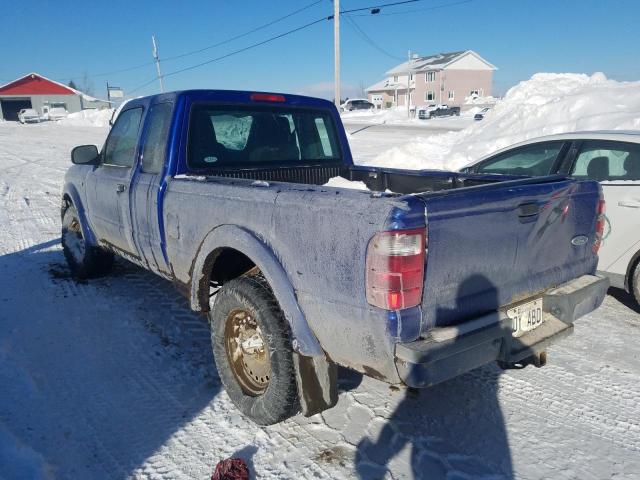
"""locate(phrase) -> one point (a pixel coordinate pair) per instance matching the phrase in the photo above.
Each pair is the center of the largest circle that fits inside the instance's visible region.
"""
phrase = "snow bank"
(548, 103)
(88, 118)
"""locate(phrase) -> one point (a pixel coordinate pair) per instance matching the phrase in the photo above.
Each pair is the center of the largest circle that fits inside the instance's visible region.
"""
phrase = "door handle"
(528, 210)
(625, 203)
(120, 188)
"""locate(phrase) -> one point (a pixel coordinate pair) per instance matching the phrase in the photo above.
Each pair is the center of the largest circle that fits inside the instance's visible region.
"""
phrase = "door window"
(120, 149)
(155, 145)
(532, 160)
(607, 160)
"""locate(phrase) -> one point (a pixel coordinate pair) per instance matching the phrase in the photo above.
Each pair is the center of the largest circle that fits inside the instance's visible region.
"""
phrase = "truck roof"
(236, 96)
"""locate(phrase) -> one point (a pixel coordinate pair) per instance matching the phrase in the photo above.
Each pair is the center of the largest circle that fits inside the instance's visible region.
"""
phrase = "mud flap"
(317, 380)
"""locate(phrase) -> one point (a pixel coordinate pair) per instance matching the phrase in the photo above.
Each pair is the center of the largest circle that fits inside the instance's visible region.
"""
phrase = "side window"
(324, 137)
(531, 160)
(121, 145)
(155, 146)
(606, 160)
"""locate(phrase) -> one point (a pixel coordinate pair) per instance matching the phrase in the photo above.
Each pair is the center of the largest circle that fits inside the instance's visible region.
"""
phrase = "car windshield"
(223, 136)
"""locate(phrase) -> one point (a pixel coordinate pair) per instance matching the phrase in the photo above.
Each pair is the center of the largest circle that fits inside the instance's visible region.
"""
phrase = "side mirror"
(85, 155)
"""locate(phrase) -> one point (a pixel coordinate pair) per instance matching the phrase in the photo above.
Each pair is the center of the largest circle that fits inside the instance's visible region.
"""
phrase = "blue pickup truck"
(422, 277)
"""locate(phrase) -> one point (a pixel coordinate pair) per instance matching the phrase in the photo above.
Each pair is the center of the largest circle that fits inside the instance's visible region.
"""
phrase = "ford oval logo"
(579, 240)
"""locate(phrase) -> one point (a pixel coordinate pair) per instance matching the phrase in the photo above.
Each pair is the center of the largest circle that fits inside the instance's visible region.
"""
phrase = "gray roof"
(431, 62)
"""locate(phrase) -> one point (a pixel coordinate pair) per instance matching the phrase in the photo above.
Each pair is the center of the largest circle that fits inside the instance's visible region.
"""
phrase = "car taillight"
(600, 221)
(395, 268)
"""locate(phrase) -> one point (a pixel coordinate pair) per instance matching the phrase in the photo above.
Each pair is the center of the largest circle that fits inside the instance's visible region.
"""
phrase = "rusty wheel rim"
(247, 352)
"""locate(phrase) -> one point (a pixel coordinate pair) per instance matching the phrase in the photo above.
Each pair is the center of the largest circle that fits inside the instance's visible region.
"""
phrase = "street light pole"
(336, 51)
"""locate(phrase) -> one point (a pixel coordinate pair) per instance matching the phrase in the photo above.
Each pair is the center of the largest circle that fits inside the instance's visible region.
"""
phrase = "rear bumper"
(452, 351)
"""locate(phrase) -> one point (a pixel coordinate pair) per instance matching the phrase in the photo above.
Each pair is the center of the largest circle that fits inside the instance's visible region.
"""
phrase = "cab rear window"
(222, 136)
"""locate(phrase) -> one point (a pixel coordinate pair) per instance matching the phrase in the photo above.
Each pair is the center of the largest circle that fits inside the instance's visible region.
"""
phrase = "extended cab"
(421, 278)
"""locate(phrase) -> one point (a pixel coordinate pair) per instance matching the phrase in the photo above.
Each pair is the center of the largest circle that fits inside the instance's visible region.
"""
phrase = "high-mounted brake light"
(395, 268)
(600, 222)
(267, 97)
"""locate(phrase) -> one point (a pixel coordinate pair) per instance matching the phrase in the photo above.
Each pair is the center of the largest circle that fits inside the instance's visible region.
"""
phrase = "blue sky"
(62, 40)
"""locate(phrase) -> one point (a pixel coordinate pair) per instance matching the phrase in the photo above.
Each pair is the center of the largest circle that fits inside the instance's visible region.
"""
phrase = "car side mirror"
(85, 155)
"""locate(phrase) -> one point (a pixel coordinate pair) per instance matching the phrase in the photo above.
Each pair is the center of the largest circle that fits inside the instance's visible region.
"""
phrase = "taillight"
(600, 221)
(395, 268)
(267, 97)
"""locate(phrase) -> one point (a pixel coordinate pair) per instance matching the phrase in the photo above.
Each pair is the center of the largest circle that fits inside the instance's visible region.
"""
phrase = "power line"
(289, 32)
(193, 52)
(261, 27)
(416, 10)
(235, 52)
(368, 39)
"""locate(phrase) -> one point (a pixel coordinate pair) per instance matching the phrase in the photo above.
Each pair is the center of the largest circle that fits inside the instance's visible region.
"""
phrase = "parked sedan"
(613, 159)
(28, 115)
(356, 104)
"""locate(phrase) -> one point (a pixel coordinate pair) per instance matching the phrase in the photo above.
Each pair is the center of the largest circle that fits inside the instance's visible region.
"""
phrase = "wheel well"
(222, 265)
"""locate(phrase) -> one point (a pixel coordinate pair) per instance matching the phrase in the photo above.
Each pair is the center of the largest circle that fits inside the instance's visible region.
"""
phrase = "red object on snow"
(231, 469)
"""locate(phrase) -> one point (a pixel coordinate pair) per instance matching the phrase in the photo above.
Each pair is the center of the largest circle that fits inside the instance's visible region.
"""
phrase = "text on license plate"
(526, 317)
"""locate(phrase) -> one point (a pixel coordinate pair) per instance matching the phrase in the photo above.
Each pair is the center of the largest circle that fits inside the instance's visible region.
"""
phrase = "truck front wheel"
(84, 260)
(252, 348)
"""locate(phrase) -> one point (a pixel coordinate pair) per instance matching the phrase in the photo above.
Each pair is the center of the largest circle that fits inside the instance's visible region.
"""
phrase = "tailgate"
(494, 245)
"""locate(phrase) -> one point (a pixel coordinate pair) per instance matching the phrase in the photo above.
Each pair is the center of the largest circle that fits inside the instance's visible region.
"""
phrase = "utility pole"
(336, 51)
(408, 97)
(155, 56)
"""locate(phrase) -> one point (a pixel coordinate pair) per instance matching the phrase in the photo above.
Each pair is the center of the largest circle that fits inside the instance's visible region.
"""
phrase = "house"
(444, 78)
(41, 94)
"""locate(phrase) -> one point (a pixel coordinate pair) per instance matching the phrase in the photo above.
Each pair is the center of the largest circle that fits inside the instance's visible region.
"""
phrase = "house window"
(452, 95)
(395, 78)
(475, 93)
(430, 76)
(429, 96)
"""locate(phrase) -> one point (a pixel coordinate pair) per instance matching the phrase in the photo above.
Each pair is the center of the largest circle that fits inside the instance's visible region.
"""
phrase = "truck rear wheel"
(85, 261)
(252, 348)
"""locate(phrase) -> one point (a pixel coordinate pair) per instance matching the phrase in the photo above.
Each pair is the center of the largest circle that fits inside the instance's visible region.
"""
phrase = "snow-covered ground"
(114, 377)
(546, 104)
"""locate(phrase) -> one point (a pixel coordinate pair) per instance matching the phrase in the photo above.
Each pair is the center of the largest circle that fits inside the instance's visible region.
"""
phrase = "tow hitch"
(538, 360)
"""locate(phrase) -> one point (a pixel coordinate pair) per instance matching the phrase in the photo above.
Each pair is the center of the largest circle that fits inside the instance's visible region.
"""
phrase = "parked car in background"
(610, 157)
(438, 111)
(480, 115)
(28, 115)
(224, 194)
(55, 113)
(356, 104)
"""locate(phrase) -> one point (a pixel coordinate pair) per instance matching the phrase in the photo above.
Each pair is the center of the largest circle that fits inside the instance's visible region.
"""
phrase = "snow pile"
(548, 103)
(478, 100)
(340, 182)
(89, 118)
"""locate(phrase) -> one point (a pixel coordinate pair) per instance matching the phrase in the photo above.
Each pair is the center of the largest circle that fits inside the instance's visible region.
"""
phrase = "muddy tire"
(251, 343)
(84, 261)
(635, 283)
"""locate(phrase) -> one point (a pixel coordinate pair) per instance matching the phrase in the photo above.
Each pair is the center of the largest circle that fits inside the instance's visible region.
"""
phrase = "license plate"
(526, 317)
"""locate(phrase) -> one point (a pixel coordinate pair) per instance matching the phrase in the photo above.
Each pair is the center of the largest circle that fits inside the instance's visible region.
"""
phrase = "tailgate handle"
(528, 209)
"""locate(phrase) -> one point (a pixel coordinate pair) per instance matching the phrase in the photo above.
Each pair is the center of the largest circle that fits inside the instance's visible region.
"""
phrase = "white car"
(28, 115)
(55, 113)
(610, 157)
